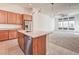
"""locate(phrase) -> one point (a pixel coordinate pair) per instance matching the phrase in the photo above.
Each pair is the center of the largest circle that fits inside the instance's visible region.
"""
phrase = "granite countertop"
(34, 34)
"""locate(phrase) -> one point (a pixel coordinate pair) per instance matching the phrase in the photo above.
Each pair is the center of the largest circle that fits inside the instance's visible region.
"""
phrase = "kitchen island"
(32, 43)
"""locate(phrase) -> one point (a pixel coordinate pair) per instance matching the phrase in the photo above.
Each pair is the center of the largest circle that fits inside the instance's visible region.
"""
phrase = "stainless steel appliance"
(28, 25)
(28, 45)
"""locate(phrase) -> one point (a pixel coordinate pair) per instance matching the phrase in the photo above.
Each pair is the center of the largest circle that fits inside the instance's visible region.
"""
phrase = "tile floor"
(62, 44)
(11, 47)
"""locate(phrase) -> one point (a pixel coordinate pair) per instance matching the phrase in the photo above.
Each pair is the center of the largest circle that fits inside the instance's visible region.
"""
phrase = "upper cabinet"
(27, 17)
(12, 17)
(3, 17)
(19, 19)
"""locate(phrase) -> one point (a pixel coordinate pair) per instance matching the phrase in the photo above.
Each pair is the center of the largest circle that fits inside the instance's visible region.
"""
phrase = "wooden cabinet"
(27, 17)
(3, 17)
(39, 45)
(19, 19)
(12, 17)
(3, 35)
(21, 40)
(8, 34)
(9, 18)
(12, 34)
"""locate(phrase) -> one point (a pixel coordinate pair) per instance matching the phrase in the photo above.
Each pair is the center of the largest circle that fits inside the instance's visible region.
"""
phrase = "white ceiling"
(26, 5)
(32, 5)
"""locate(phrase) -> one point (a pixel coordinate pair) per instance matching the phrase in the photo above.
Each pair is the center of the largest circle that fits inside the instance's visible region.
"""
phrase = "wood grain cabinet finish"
(3, 17)
(39, 45)
(9, 18)
(3, 35)
(12, 34)
(19, 19)
(12, 17)
(21, 40)
(27, 17)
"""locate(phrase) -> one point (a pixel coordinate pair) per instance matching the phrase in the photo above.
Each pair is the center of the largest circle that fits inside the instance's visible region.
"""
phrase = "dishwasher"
(28, 45)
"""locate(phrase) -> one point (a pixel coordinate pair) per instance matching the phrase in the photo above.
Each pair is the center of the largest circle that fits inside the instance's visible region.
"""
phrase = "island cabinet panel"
(3, 35)
(19, 20)
(3, 17)
(12, 34)
(39, 45)
(21, 40)
(34, 46)
(27, 17)
(43, 44)
(12, 17)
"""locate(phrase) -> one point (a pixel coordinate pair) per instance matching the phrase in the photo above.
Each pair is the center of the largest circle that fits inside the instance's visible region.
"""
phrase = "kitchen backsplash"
(9, 26)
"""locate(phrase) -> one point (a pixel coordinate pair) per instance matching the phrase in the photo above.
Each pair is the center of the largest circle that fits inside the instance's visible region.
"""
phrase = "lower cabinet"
(12, 34)
(21, 41)
(7, 34)
(3, 35)
(39, 45)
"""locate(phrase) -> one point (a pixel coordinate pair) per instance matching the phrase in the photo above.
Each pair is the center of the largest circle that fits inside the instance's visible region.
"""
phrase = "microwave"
(28, 25)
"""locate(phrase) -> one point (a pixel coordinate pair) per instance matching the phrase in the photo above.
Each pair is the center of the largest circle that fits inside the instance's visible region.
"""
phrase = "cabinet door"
(27, 17)
(21, 40)
(3, 35)
(12, 17)
(19, 19)
(3, 17)
(12, 34)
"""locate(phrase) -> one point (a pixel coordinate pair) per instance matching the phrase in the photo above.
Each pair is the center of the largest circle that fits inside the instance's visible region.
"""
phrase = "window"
(66, 23)
(71, 23)
(60, 24)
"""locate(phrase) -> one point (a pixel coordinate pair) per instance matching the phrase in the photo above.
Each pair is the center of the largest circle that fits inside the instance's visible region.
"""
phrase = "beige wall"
(43, 18)
(70, 9)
